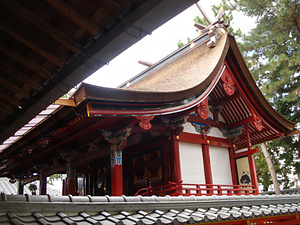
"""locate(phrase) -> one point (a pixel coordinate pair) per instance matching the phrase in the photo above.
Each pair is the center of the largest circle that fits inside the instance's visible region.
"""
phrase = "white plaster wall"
(210, 114)
(191, 162)
(189, 128)
(215, 132)
(221, 118)
(220, 165)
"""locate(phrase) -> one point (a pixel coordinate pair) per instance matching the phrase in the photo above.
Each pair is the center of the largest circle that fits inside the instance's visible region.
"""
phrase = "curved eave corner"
(256, 97)
(155, 102)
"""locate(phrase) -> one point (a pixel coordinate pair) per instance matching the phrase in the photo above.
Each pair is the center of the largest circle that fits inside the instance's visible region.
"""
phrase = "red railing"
(176, 189)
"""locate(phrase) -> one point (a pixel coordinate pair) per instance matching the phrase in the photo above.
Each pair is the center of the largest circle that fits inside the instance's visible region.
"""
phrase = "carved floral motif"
(202, 109)
(228, 83)
(257, 123)
(145, 122)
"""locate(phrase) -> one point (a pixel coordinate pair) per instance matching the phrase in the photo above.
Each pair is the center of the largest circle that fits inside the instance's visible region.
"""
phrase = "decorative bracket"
(216, 110)
(69, 155)
(257, 122)
(202, 109)
(175, 124)
(145, 122)
(203, 129)
(118, 140)
(228, 83)
(232, 133)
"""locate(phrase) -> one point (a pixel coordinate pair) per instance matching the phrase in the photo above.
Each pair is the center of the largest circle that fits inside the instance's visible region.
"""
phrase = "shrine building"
(187, 125)
(173, 145)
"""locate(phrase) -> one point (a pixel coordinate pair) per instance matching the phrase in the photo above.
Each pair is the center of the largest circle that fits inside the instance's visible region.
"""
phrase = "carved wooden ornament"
(228, 83)
(118, 140)
(257, 123)
(175, 124)
(202, 109)
(145, 122)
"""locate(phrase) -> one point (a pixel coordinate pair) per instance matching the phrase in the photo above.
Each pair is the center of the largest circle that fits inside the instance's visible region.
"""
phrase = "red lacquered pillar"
(116, 171)
(232, 167)
(251, 160)
(207, 165)
(176, 168)
(71, 179)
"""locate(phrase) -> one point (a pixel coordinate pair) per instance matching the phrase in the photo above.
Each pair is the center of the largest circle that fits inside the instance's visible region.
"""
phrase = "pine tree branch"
(263, 8)
(295, 20)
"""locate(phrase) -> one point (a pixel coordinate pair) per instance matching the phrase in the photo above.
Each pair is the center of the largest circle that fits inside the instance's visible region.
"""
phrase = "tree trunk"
(271, 168)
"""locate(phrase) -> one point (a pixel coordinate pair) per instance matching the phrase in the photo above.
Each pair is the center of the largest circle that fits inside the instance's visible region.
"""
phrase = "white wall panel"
(219, 159)
(215, 132)
(191, 162)
(189, 128)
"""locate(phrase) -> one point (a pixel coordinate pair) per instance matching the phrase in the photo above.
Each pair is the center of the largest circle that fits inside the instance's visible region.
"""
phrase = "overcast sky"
(160, 43)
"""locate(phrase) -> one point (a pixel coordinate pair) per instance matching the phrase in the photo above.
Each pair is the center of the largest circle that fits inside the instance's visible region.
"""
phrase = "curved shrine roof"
(183, 81)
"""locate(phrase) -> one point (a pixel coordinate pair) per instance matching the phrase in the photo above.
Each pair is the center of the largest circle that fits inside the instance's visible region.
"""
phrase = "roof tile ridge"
(28, 198)
(70, 197)
(109, 217)
(3, 197)
(131, 218)
(89, 218)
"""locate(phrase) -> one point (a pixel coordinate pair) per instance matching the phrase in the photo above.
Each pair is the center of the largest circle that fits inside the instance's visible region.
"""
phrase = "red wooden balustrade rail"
(176, 189)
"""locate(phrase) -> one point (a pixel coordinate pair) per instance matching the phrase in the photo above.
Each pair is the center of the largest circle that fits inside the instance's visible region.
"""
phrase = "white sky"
(159, 44)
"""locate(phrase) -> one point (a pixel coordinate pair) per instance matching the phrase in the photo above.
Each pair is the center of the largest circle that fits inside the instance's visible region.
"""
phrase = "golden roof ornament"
(215, 29)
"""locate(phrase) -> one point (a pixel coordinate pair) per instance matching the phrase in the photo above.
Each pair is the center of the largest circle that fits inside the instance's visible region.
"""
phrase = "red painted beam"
(197, 139)
(241, 122)
(245, 153)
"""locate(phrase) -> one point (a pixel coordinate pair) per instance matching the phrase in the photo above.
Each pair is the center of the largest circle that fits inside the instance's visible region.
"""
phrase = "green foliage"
(263, 174)
(180, 43)
(54, 177)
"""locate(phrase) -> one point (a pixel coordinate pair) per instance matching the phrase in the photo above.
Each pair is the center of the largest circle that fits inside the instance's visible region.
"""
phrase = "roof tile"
(160, 210)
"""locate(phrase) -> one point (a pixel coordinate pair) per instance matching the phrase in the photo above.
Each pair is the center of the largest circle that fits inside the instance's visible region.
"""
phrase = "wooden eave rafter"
(42, 25)
(18, 75)
(25, 61)
(29, 43)
(252, 91)
(73, 15)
